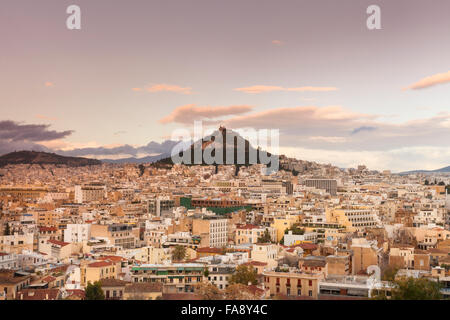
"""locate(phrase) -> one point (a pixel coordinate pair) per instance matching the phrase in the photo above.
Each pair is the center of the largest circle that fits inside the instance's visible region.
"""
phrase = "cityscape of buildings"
(224, 150)
(197, 232)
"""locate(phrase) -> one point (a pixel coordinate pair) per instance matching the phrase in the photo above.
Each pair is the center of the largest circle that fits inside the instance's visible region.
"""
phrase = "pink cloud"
(262, 88)
(167, 88)
(277, 42)
(42, 117)
(191, 112)
(49, 84)
(296, 117)
(430, 81)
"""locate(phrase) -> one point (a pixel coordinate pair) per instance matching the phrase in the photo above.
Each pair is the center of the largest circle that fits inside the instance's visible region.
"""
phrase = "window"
(310, 293)
(310, 283)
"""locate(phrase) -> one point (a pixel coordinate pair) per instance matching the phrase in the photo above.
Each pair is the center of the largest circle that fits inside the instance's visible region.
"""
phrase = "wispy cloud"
(162, 87)
(42, 117)
(263, 88)
(187, 114)
(430, 81)
(362, 129)
(49, 84)
(277, 42)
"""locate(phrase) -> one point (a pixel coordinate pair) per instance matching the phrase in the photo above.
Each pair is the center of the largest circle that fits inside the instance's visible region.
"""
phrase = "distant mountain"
(441, 170)
(34, 157)
(148, 159)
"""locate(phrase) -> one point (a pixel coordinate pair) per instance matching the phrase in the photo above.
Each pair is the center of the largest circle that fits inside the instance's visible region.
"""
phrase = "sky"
(137, 70)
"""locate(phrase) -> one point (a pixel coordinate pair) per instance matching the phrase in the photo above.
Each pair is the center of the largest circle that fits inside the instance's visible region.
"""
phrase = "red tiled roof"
(255, 290)
(255, 263)
(209, 250)
(307, 246)
(100, 264)
(37, 294)
(112, 258)
(46, 229)
(48, 279)
(59, 243)
(76, 292)
(247, 226)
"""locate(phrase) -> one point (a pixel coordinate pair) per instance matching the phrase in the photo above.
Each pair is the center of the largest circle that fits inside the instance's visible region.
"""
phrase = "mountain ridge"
(41, 158)
(441, 170)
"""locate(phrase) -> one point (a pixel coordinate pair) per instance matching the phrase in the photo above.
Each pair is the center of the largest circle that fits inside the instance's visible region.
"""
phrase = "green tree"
(416, 289)
(94, 291)
(427, 182)
(244, 275)
(141, 170)
(265, 238)
(7, 231)
(295, 230)
(389, 274)
(413, 289)
(179, 253)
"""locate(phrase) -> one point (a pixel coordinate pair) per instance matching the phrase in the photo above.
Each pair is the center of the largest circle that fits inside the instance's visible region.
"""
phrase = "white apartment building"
(266, 253)
(292, 239)
(9, 261)
(77, 233)
(429, 216)
(218, 233)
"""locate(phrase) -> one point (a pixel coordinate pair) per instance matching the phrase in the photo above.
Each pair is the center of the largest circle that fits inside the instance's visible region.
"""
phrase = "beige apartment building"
(213, 231)
(16, 243)
(176, 277)
(120, 235)
(249, 233)
(354, 218)
(365, 254)
(96, 271)
(299, 284)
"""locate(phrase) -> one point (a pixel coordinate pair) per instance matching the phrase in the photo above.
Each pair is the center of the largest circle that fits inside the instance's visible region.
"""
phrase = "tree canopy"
(179, 253)
(244, 275)
(413, 289)
(265, 237)
(94, 291)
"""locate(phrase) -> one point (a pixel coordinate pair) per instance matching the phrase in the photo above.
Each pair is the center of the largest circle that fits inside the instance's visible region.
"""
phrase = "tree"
(416, 289)
(179, 253)
(141, 170)
(244, 275)
(295, 230)
(7, 231)
(265, 238)
(413, 289)
(389, 274)
(94, 291)
(427, 182)
(208, 291)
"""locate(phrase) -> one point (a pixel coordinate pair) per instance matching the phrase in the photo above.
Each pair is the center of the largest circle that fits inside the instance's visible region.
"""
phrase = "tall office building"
(329, 185)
